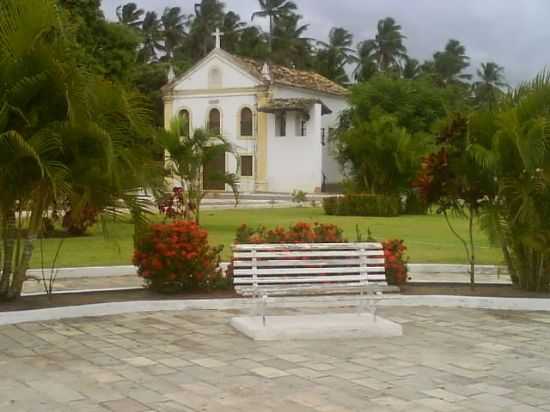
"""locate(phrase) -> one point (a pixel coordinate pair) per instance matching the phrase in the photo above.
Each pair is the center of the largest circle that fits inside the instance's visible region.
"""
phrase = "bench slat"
(298, 254)
(308, 262)
(310, 280)
(307, 270)
(308, 246)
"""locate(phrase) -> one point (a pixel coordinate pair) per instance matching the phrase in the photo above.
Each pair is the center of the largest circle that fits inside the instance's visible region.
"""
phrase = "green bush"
(413, 205)
(363, 205)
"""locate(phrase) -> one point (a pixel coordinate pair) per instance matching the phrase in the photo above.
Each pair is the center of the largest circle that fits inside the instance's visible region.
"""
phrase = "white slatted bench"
(304, 268)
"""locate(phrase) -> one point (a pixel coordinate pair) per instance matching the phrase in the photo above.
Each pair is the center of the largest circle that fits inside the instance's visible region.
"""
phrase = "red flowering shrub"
(396, 261)
(299, 233)
(177, 257)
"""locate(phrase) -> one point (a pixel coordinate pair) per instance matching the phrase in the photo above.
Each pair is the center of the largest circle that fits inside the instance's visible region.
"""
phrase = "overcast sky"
(513, 33)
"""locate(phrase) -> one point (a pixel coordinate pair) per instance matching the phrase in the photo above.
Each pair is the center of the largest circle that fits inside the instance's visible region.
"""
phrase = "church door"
(214, 171)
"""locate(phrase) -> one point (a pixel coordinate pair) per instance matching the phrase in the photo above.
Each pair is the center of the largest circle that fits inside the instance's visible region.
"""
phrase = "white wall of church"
(294, 161)
(330, 166)
(229, 106)
(231, 76)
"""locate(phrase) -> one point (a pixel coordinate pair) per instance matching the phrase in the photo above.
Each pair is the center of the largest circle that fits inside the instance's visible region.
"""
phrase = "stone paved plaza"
(448, 360)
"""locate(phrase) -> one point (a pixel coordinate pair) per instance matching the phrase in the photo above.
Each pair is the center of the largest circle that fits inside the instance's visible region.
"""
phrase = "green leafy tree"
(334, 56)
(65, 134)
(274, 10)
(367, 66)
(252, 43)
(130, 15)
(411, 69)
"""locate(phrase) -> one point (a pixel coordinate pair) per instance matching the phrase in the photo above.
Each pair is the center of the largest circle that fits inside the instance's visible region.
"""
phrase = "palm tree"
(173, 29)
(65, 134)
(188, 154)
(490, 84)
(152, 35)
(450, 64)
(389, 49)
(209, 14)
(274, 10)
(252, 43)
(232, 28)
(336, 54)
(411, 69)
(366, 61)
(289, 47)
(130, 15)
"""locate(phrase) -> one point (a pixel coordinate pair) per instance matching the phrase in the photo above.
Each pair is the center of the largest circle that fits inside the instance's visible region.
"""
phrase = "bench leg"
(264, 307)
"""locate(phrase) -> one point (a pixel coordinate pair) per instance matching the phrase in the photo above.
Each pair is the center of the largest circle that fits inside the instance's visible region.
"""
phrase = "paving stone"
(447, 359)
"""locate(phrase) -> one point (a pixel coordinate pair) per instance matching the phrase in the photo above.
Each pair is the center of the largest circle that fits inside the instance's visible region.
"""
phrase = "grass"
(428, 238)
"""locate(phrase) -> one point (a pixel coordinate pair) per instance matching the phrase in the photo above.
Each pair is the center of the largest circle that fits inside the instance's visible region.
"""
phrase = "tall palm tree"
(209, 14)
(366, 61)
(449, 65)
(274, 10)
(289, 46)
(130, 15)
(173, 29)
(336, 54)
(490, 84)
(232, 28)
(152, 37)
(389, 49)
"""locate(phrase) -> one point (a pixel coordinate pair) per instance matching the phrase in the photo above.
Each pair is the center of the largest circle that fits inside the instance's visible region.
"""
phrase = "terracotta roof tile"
(295, 78)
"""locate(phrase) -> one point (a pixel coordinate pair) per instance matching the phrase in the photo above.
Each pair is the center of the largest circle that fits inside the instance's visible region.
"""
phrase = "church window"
(301, 126)
(214, 78)
(214, 122)
(247, 166)
(280, 124)
(185, 122)
(246, 122)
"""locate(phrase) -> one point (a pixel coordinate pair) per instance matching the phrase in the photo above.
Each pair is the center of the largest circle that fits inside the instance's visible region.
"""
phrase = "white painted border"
(128, 270)
(117, 308)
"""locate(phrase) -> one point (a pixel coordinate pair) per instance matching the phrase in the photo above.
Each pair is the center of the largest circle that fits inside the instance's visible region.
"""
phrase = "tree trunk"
(472, 250)
(9, 235)
(20, 274)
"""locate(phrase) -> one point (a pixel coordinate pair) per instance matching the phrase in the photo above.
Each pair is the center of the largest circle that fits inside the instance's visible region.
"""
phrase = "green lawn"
(428, 238)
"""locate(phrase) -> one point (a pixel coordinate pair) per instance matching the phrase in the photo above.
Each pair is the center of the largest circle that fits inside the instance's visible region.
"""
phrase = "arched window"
(214, 122)
(185, 122)
(247, 122)
(214, 78)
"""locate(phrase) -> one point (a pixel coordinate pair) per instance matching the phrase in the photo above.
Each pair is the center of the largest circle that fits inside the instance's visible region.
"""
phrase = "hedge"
(363, 205)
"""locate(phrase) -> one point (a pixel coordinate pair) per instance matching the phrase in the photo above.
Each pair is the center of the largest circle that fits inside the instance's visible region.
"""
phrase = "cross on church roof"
(218, 35)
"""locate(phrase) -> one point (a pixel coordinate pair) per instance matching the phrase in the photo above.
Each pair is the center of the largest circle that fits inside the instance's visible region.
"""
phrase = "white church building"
(277, 119)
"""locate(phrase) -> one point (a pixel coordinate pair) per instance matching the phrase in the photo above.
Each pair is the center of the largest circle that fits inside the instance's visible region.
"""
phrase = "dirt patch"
(77, 299)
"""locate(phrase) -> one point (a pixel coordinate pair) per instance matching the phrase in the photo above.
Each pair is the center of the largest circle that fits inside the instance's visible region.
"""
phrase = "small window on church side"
(215, 78)
(247, 166)
(280, 124)
(301, 125)
(185, 123)
(246, 122)
(214, 122)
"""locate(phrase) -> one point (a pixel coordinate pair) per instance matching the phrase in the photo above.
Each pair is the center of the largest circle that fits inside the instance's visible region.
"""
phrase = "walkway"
(448, 360)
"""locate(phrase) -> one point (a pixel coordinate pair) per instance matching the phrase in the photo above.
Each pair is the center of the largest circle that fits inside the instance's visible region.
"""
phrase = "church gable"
(215, 72)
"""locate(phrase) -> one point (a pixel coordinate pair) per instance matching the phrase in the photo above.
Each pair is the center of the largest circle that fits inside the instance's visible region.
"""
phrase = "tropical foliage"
(187, 155)
(66, 135)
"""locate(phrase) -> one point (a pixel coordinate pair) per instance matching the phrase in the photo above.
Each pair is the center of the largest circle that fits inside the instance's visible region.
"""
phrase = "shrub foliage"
(177, 257)
(363, 205)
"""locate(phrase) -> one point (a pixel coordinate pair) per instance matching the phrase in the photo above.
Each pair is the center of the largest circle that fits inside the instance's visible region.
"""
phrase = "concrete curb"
(129, 270)
(118, 308)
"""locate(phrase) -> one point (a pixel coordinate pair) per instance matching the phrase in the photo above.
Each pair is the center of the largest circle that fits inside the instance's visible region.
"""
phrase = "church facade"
(277, 119)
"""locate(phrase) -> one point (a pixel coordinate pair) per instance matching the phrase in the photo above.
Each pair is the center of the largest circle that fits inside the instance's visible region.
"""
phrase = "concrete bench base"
(325, 326)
